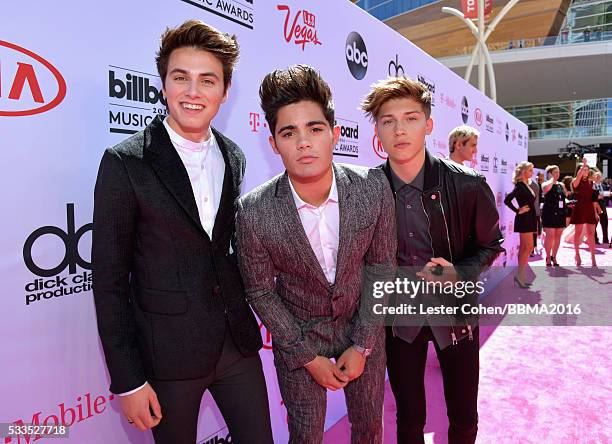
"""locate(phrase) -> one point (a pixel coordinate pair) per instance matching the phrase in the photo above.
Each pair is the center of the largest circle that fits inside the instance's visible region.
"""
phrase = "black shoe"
(518, 282)
(554, 261)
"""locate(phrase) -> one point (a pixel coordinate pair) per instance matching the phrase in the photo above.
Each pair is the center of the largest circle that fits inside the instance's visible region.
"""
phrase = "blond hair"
(519, 170)
(550, 169)
(395, 88)
(461, 134)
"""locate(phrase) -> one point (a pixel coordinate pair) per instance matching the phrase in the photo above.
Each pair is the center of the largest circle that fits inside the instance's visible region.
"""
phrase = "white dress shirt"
(206, 169)
(322, 226)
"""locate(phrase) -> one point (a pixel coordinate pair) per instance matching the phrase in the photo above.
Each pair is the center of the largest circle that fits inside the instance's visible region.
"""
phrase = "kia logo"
(478, 116)
(70, 238)
(266, 337)
(378, 148)
(356, 55)
(24, 87)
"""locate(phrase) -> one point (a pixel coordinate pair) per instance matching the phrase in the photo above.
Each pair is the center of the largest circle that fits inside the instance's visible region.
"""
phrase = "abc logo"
(356, 55)
(70, 238)
(465, 109)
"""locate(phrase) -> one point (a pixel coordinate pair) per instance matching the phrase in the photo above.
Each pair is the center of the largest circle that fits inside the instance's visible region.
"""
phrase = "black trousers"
(460, 366)
(603, 220)
(237, 386)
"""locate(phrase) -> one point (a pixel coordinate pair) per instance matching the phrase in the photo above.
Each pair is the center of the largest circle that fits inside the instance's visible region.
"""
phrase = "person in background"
(584, 216)
(536, 186)
(603, 214)
(569, 198)
(463, 144)
(525, 221)
(553, 213)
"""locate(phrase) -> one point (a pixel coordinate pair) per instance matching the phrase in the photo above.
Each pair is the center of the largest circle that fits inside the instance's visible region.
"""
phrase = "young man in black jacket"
(447, 224)
(170, 303)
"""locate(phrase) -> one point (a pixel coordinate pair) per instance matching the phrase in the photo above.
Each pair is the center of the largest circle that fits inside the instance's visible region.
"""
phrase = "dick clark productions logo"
(54, 284)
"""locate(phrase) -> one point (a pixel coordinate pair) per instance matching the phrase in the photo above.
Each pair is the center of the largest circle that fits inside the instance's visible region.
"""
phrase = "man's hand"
(137, 408)
(430, 273)
(326, 373)
(352, 363)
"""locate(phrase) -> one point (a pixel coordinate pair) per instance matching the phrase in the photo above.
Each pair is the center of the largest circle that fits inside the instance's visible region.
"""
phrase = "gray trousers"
(306, 400)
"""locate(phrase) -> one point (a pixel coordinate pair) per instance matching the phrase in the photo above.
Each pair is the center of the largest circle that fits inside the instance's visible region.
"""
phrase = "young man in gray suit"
(306, 240)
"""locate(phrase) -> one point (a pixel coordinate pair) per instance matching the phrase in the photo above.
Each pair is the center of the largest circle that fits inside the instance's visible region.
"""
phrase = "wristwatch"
(365, 352)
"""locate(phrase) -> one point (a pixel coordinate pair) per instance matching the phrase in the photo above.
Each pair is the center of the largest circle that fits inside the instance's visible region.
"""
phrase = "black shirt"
(414, 242)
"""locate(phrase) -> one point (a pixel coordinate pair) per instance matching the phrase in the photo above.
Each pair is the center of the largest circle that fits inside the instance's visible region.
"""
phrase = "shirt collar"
(187, 145)
(332, 197)
(418, 181)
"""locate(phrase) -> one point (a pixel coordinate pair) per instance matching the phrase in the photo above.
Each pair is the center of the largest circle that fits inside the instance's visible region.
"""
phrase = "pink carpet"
(537, 384)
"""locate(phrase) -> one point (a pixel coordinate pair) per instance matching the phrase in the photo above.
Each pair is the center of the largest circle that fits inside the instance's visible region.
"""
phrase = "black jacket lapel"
(231, 184)
(168, 166)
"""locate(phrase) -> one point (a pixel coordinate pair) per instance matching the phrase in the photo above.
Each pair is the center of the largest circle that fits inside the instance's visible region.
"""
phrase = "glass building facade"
(385, 9)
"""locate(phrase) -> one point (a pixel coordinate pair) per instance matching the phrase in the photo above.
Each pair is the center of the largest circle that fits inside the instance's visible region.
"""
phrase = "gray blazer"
(284, 282)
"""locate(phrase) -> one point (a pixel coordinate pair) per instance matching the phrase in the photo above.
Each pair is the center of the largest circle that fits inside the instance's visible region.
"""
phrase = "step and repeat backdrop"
(77, 77)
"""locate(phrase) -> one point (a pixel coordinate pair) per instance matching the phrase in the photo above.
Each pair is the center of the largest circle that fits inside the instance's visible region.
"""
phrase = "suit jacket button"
(216, 290)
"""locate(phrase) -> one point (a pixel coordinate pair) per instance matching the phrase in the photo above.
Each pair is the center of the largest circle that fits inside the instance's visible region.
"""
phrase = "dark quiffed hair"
(197, 34)
(294, 84)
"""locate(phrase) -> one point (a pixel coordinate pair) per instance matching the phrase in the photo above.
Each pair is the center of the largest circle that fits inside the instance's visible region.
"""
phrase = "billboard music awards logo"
(489, 123)
(356, 55)
(51, 282)
(348, 143)
(431, 86)
(504, 166)
(478, 116)
(378, 148)
(448, 101)
(465, 110)
(521, 140)
(219, 437)
(302, 28)
(484, 163)
(240, 12)
(29, 84)
(135, 99)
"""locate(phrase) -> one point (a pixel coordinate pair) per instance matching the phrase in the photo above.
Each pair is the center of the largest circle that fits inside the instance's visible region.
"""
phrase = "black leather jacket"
(463, 217)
